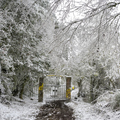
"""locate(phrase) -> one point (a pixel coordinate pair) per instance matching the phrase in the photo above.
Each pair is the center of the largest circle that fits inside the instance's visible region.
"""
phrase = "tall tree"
(23, 44)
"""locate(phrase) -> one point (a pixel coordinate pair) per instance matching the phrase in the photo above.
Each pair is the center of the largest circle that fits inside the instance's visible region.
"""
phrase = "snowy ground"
(86, 111)
(25, 110)
(28, 109)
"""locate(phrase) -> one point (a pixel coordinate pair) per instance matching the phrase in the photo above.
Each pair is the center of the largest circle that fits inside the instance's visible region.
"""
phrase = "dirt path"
(55, 111)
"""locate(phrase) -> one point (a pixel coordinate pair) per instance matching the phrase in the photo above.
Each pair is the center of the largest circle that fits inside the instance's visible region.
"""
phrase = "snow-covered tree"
(94, 24)
(23, 47)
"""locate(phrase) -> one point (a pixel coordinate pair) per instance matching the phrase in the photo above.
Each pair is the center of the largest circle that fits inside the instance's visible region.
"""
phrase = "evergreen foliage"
(22, 38)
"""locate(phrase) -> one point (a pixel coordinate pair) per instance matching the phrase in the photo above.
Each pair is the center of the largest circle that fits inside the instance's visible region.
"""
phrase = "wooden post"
(0, 77)
(40, 92)
(68, 88)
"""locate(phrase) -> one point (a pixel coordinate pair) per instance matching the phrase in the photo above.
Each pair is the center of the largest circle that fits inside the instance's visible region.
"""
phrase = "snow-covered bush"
(117, 101)
(110, 99)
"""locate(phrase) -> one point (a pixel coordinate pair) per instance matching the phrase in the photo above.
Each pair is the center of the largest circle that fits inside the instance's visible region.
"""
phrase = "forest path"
(56, 110)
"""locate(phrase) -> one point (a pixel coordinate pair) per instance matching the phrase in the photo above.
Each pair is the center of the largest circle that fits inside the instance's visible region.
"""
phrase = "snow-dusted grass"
(98, 111)
(28, 109)
(25, 110)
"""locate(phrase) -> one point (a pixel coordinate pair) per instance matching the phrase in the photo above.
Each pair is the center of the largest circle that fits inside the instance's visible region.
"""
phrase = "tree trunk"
(21, 91)
(91, 89)
(22, 88)
(80, 87)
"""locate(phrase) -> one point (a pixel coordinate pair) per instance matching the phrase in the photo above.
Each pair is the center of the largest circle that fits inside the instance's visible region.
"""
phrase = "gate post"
(40, 92)
(68, 88)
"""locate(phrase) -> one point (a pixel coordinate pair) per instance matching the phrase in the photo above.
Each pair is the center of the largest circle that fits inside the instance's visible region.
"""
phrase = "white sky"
(68, 15)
